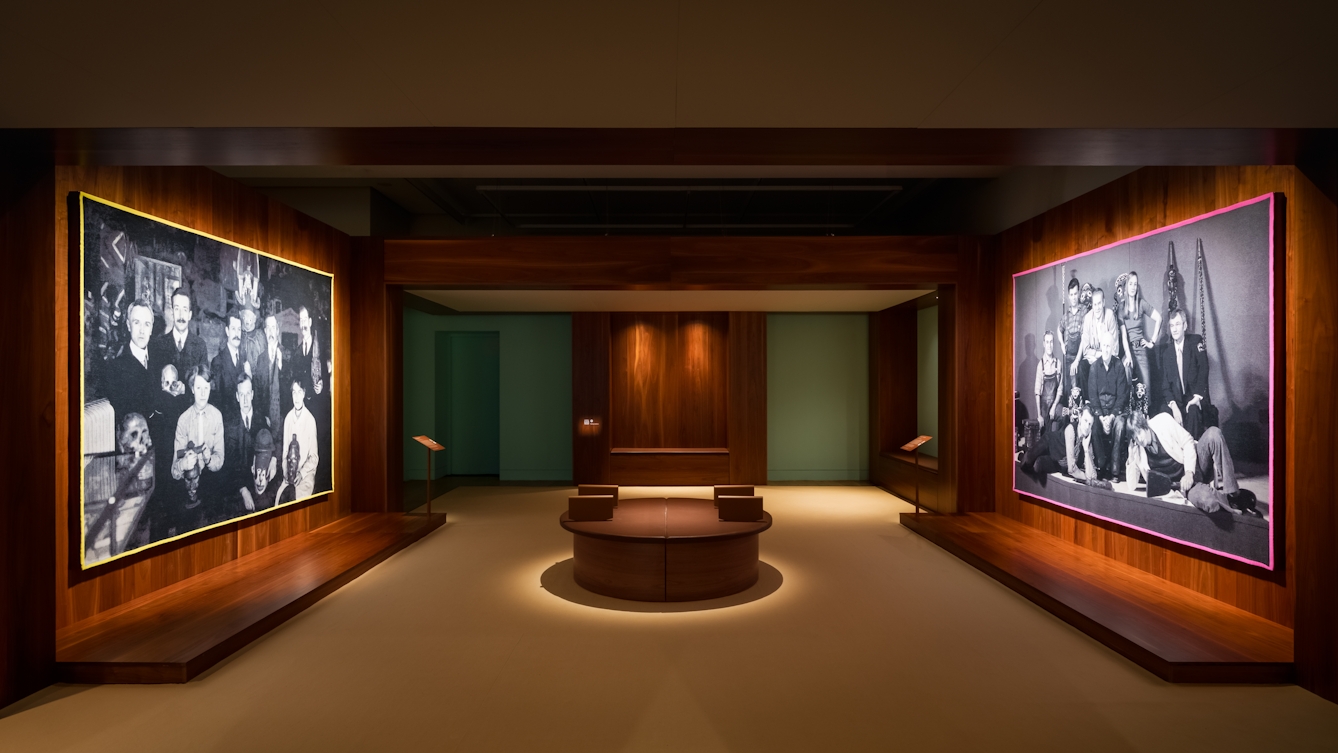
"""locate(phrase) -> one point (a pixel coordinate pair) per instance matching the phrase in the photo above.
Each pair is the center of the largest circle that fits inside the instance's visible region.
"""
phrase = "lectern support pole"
(432, 446)
(917, 476)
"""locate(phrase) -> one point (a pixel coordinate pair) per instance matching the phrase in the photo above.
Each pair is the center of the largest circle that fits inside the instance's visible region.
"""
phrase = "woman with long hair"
(1134, 311)
(1048, 393)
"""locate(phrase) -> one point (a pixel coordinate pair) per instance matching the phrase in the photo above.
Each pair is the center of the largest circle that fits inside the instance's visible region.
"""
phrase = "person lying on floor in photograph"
(1108, 387)
(1184, 374)
(1098, 324)
(1162, 453)
(1067, 451)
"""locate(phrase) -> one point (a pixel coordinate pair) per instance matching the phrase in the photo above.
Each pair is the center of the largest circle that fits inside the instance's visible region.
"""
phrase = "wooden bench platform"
(1176, 633)
(178, 632)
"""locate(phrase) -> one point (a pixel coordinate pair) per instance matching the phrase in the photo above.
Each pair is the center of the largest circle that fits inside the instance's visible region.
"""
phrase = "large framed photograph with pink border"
(1146, 376)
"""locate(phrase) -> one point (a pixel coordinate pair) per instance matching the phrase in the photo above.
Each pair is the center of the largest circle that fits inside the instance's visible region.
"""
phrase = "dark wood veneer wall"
(1300, 592)
(669, 380)
(204, 200)
(676, 398)
(28, 415)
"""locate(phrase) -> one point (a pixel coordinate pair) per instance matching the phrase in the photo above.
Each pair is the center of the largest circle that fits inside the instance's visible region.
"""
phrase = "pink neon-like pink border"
(1272, 372)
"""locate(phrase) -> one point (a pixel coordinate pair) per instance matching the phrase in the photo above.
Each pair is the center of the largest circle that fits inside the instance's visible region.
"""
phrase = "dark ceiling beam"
(689, 146)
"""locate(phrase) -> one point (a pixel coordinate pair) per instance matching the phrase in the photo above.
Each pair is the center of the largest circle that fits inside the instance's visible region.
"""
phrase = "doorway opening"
(468, 408)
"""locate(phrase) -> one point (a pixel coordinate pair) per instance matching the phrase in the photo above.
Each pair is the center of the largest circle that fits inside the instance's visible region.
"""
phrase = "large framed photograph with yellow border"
(206, 381)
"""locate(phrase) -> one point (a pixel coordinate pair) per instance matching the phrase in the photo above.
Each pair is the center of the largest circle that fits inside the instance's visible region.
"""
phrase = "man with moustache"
(179, 346)
(131, 383)
(228, 367)
(274, 400)
(307, 362)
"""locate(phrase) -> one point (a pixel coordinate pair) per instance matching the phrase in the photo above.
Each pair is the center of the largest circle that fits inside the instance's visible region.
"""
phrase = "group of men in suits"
(233, 434)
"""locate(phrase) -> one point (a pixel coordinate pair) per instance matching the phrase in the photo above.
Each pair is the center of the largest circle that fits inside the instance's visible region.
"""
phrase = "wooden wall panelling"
(371, 387)
(897, 338)
(747, 408)
(1142, 201)
(809, 260)
(702, 366)
(973, 393)
(394, 398)
(950, 380)
(591, 351)
(201, 199)
(1312, 410)
(29, 413)
(521, 261)
(664, 263)
(643, 383)
(675, 468)
(668, 378)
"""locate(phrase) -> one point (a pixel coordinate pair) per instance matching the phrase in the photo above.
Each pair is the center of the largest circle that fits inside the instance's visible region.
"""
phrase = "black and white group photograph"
(207, 379)
(1144, 382)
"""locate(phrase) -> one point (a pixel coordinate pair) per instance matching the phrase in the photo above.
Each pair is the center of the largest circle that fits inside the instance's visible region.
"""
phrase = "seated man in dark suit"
(1108, 386)
(130, 381)
(1184, 378)
(239, 438)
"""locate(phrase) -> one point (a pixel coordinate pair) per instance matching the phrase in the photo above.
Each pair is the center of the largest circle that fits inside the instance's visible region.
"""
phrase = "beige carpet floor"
(864, 638)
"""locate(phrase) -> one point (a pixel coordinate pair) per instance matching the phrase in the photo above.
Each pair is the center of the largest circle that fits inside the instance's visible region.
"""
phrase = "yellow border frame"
(83, 365)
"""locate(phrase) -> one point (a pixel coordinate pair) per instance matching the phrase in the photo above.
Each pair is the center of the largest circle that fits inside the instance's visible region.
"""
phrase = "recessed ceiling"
(518, 301)
(671, 64)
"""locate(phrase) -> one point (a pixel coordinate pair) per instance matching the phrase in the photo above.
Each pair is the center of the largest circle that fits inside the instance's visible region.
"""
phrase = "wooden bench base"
(1176, 633)
(178, 632)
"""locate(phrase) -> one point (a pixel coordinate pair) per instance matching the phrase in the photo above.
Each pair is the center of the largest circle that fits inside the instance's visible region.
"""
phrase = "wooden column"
(590, 355)
(747, 397)
(1311, 409)
(377, 384)
(972, 393)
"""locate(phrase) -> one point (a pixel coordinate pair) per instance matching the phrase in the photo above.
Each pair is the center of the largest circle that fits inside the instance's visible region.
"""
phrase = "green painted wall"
(468, 410)
(534, 384)
(817, 397)
(926, 388)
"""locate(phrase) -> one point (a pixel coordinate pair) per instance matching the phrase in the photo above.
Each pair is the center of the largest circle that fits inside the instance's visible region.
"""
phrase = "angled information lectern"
(432, 446)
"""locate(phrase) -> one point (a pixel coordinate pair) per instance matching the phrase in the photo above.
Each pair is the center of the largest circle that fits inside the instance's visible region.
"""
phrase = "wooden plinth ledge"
(1176, 633)
(178, 632)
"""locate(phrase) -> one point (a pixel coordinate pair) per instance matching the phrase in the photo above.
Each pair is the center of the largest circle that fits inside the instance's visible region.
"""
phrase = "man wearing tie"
(178, 346)
(130, 382)
(273, 398)
(239, 441)
(228, 367)
(1184, 377)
